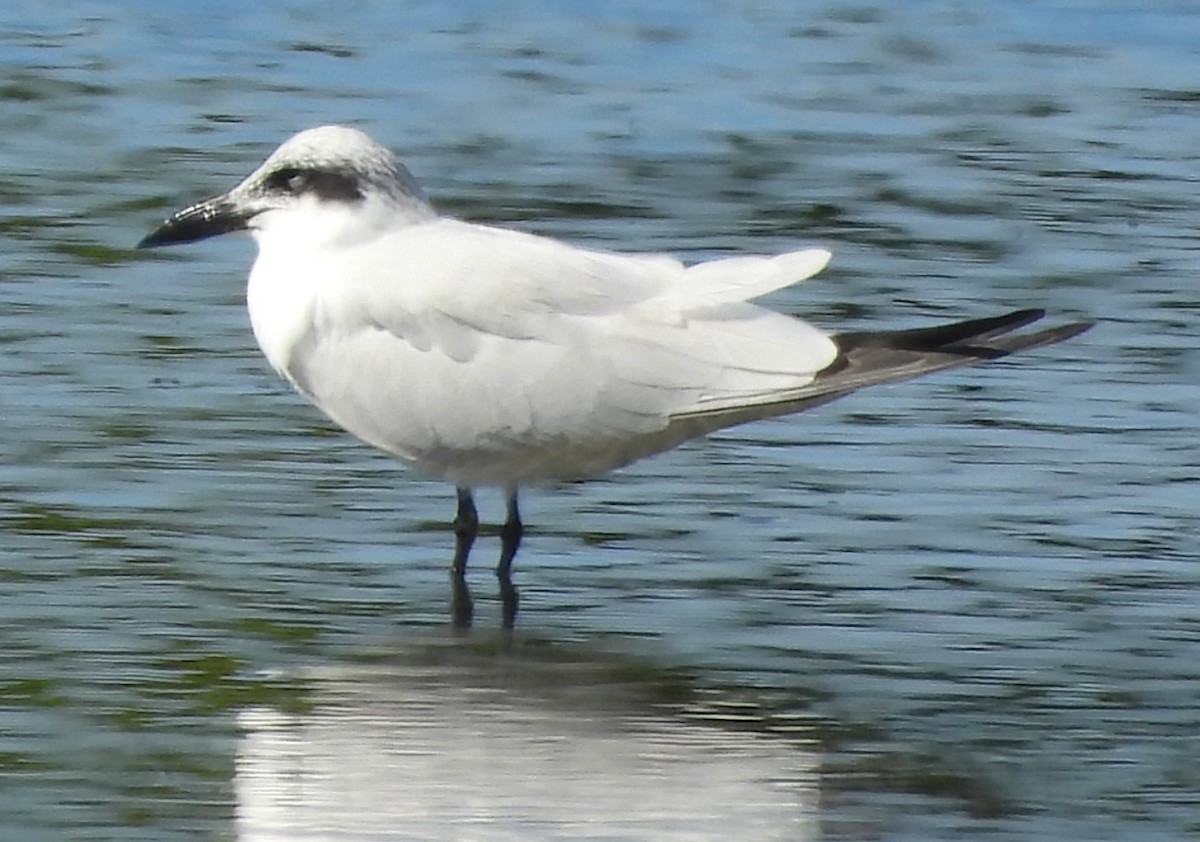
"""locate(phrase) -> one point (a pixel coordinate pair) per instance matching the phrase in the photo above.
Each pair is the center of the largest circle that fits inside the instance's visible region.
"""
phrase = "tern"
(490, 357)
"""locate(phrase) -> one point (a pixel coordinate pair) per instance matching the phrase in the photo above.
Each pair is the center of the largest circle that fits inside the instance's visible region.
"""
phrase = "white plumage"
(490, 357)
(487, 356)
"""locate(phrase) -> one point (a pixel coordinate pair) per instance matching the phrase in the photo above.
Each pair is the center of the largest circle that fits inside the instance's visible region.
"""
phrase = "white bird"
(489, 357)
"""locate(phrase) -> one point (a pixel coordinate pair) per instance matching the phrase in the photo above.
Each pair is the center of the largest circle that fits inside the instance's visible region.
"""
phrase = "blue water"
(977, 592)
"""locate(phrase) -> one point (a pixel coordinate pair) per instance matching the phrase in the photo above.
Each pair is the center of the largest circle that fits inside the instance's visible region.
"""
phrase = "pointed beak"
(200, 221)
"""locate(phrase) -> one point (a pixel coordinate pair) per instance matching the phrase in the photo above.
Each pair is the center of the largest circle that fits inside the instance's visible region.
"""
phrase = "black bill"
(200, 221)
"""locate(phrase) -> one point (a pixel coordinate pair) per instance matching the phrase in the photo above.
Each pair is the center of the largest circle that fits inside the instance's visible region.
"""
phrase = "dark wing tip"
(870, 357)
(986, 332)
(1038, 339)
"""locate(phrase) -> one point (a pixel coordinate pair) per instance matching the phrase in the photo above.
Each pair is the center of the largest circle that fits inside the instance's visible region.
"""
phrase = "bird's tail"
(869, 358)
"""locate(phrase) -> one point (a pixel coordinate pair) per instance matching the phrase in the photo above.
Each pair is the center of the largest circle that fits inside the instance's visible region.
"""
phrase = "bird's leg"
(510, 540)
(466, 526)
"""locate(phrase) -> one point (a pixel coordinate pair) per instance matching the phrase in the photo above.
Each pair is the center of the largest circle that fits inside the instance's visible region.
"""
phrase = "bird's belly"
(506, 416)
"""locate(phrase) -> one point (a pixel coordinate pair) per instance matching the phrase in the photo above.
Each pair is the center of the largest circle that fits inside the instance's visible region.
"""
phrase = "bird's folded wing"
(489, 339)
(447, 283)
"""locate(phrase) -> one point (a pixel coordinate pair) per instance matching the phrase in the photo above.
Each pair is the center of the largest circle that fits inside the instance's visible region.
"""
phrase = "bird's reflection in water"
(483, 745)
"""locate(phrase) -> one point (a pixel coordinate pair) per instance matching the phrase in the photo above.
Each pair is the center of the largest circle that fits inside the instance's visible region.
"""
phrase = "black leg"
(510, 540)
(466, 526)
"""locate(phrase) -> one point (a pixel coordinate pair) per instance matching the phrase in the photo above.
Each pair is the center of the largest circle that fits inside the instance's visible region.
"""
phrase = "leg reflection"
(510, 541)
(466, 526)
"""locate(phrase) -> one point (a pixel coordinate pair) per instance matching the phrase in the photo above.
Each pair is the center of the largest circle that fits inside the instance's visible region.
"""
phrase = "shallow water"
(975, 594)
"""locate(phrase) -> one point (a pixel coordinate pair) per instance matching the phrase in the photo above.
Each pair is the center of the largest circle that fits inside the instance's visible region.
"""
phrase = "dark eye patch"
(327, 185)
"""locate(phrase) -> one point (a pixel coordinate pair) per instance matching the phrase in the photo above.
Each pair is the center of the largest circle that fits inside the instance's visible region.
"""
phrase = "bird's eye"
(325, 185)
(288, 180)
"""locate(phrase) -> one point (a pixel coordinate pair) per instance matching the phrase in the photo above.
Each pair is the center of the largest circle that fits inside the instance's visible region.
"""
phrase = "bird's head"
(321, 184)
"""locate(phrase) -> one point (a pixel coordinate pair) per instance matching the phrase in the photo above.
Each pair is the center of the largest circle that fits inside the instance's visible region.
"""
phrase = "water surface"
(976, 593)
